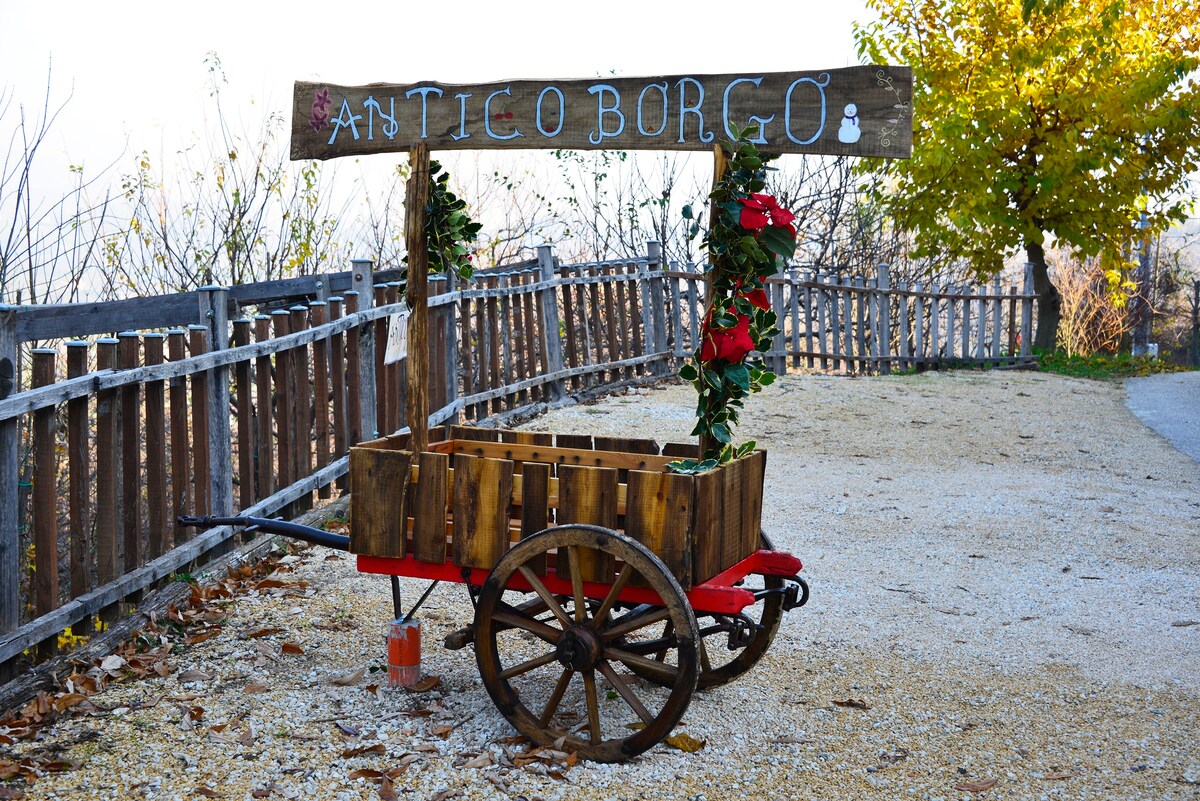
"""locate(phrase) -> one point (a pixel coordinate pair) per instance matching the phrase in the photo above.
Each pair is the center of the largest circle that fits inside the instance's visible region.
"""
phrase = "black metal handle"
(280, 527)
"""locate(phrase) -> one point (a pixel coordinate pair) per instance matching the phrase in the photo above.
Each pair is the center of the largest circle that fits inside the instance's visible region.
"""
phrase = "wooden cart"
(606, 589)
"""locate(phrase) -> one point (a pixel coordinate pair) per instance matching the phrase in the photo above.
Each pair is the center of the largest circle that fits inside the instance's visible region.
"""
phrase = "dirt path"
(1005, 570)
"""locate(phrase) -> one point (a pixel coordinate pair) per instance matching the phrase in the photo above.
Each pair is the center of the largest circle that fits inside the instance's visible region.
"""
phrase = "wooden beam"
(418, 271)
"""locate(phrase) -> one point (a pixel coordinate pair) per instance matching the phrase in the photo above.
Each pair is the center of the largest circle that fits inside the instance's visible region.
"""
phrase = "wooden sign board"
(857, 111)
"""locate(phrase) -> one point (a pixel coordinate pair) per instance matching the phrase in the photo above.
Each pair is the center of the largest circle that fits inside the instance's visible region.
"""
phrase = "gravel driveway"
(1005, 573)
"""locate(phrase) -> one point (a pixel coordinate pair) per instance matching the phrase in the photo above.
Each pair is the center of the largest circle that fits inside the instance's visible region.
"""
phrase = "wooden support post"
(337, 378)
(449, 377)
(45, 497)
(1027, 312)
(107, 488)
(551, 341)
(302, 407)
(242, 381)
(10, 546)
(996, 321)
(157, 502)
(201, 401)
(319, 311)
(183, 501)
(264, 450)
(83, 558)
(885, 319)
(285, 414)
(720, 165)
(364, 401)
(129, 358)
(214, 307)
(416, 197)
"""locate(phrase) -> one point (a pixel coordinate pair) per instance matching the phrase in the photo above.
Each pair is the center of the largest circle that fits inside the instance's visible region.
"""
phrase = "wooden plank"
(182, 500)
(158, 512)
(83, 556)
(658, 514)
(45, 497)
(708, 525)
(467, 349)
(284, 407)
(637, 290)
(543, 438)
(107, 461)
(536, 357)
(415, 241)
(624, 342)
(919, 328)
(576, 441)
(64, 320)
(475, 433)
(483, 491)
(337, 381)
(320, 394)
(129, 358)
(966, 322)
(482, 346)
(808, 318)
(611, 323)
(626, 445)
(951, 339)
(681, 450)
(513, 331)
(244, 404)
(385, 374)
(10, 489)
(589, 495)
(264, 449)
(429, 508)
(569, 327)
(379, 482)
(935, 321)
(535, 506)
(835, 322)
(904, 351)
(752, 502)
(680, 112)
(822, 296)
(495, 346)
(597, 328)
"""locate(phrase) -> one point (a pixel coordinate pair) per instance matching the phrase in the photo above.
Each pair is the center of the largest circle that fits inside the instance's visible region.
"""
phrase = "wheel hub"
(578, 649)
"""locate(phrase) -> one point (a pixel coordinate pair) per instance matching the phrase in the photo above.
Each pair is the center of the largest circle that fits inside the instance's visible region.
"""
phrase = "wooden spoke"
(627, 625)
(593, 707)
(525, 667)
(660, 670)
(668, 631)
(625, 692)
(577, 584)
(623, 578)
(555, 698)
(540, 588)
(705, 663)
(516, 621)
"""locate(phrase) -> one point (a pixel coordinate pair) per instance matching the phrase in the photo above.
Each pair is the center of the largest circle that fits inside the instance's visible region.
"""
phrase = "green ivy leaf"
(739, 376)
(688, 372)
(720, 432)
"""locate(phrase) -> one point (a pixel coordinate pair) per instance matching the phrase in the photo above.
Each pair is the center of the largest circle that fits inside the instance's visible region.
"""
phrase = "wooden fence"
(183, 406)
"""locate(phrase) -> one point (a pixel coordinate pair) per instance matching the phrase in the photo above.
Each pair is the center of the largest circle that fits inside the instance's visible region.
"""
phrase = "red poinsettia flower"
(730, 344)
(757, 297)
(759, 211)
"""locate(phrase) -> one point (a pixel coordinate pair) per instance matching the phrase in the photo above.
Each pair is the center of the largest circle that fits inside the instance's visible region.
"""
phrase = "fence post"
(885, 318)
(214, 309)
(362, 282)
(656, 320)
(1027, 312)
(10, 548)
(450, 326)
(551, 340)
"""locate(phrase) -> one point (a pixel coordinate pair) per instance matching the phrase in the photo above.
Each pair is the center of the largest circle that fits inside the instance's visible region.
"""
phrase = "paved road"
(1169, 403)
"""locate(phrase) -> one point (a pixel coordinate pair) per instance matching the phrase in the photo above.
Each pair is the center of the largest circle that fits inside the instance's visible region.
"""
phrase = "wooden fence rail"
(250, 397)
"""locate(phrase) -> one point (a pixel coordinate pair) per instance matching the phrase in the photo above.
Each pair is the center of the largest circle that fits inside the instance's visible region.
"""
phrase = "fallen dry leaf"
(256, 687)
(1183, 624)
(11, 793)
(256, 633)
(976, 786)
(350, 679)
(426, 684)
(442, 731)
(377, 748)
(208, 792)
(291, 648)
(386, 791)
(347, 730)
(366, 773)
(193, 675)
(685, 742)
(853, 703)
(1060, 774)
(112, 663)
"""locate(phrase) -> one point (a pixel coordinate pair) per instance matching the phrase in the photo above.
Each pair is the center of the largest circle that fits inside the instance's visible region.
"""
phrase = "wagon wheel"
(562, 677)
(719, 663)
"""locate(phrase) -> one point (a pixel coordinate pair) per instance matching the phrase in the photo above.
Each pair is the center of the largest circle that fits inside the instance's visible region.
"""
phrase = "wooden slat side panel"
(658, 514)
(589, 495)
(733, 511)
(627, 445)
(543, 438)
(579, 441)
(681, 450)
(482, 504)
(429, 507)
(707, 526)
(379, 482)
(560, 455)
(475, 433)
(535, 506)
(752, 500)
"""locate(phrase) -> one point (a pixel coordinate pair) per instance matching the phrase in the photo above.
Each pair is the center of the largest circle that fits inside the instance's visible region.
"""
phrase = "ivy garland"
(449, 230)
(747, 241)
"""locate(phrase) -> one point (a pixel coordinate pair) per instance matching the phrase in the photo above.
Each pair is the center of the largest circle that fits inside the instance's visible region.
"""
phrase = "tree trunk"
(1049, 301)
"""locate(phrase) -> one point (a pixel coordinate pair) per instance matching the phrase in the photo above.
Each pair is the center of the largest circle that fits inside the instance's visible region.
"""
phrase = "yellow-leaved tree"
(1041, 118)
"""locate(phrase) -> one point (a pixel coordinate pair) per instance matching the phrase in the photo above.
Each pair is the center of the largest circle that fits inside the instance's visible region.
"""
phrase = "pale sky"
(136, 68)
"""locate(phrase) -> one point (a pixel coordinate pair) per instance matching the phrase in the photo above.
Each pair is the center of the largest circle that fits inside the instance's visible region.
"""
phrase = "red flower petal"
(753, 220)
(758, 298)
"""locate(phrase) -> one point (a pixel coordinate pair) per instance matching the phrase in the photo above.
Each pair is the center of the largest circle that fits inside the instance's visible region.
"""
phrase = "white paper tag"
(397, 341)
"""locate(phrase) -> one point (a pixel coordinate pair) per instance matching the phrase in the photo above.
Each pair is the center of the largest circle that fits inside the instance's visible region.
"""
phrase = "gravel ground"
(1005, 573)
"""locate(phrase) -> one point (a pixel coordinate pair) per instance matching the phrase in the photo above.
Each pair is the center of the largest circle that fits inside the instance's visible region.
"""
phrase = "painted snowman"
(849, 131)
